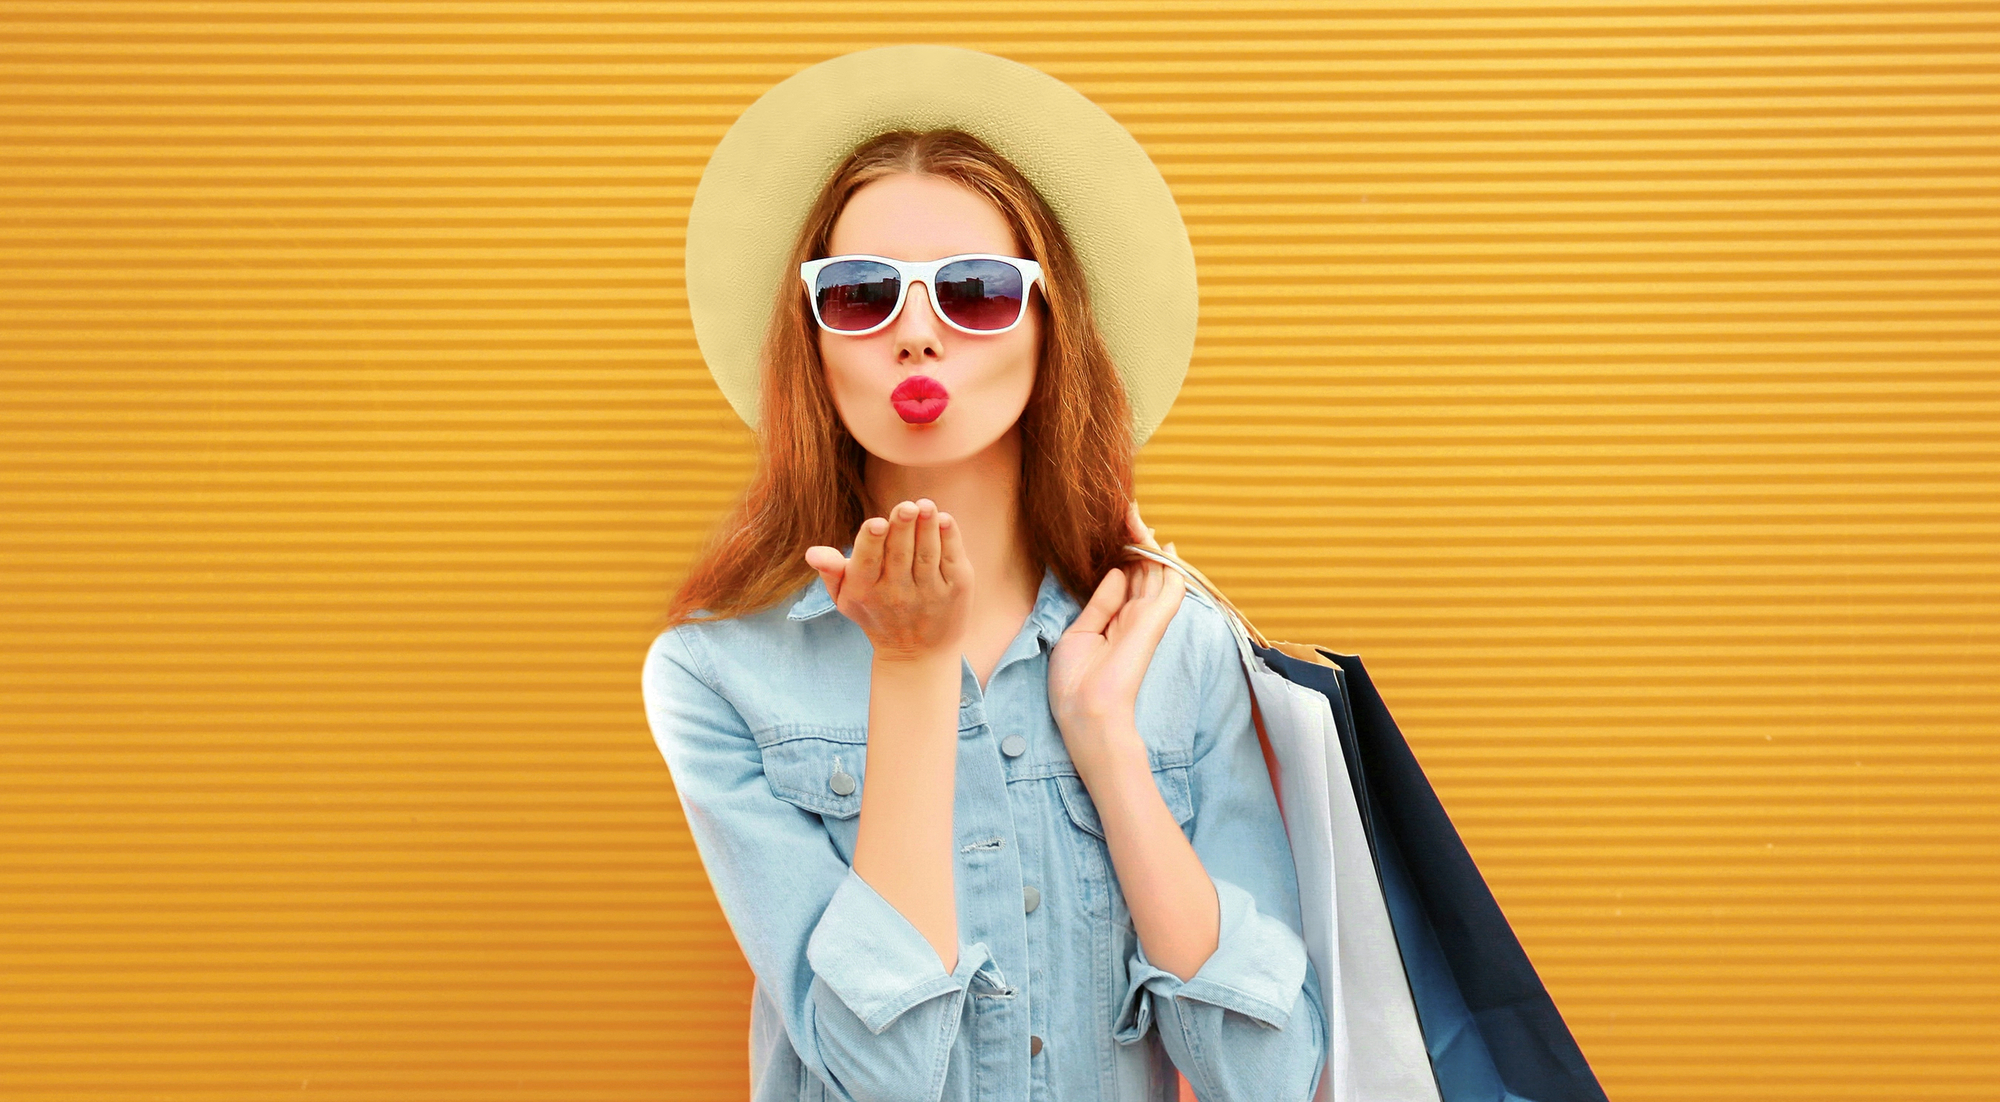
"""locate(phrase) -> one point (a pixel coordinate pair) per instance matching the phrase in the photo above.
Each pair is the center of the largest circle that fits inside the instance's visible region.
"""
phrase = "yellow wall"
(1619, 381)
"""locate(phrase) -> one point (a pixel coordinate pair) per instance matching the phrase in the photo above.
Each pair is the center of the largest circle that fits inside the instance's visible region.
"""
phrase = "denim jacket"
(763, 722)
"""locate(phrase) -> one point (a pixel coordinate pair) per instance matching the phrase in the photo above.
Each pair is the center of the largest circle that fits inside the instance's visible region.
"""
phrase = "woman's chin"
(932, 444)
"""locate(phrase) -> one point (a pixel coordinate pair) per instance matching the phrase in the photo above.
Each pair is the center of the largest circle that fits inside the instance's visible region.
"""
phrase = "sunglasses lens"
(980, 294)
(856, 294)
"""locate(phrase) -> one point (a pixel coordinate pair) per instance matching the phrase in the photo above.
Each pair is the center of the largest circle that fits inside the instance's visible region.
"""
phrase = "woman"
(976, 838)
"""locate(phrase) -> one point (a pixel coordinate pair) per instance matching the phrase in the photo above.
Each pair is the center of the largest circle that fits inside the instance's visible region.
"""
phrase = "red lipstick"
(919, 399)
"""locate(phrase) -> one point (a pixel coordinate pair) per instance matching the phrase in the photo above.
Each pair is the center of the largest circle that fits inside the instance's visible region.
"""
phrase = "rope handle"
(1200, 580)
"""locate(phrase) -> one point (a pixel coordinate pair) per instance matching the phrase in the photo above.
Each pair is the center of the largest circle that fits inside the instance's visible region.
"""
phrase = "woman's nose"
(918, 306)
(917, 327)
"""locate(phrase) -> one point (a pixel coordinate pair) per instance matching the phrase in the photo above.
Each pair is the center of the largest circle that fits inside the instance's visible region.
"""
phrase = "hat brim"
(1112, 202)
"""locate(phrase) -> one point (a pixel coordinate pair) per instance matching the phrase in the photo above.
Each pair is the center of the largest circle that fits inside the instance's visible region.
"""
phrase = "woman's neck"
(981, 493)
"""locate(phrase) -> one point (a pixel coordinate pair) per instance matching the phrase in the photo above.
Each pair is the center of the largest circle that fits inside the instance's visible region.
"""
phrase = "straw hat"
(1111, 201)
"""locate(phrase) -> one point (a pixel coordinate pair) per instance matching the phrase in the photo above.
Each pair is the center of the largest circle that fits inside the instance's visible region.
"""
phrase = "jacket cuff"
(876, 961)
(1257, 970)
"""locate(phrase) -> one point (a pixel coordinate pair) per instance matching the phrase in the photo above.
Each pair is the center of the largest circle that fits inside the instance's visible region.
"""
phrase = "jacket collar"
(814, 602)
(1054, 608)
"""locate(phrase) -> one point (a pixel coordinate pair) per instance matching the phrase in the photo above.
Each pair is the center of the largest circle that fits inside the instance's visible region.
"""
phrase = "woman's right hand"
(908, 584)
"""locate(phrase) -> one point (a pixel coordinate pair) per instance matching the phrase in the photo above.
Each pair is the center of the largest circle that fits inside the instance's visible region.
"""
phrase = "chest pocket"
(1089, 862)
(1170, 778)
(819, 769)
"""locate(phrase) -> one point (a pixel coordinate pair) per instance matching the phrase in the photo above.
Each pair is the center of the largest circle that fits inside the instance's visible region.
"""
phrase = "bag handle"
(1241, 623)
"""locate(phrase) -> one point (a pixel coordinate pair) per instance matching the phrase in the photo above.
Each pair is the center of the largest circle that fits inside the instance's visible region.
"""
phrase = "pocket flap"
(821, 772)
(1171, 780)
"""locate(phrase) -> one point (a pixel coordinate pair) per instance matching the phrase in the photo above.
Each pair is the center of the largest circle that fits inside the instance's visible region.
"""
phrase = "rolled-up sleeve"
(877, 963)
(866, 1002)
(1248, 1024)
(1258, 970)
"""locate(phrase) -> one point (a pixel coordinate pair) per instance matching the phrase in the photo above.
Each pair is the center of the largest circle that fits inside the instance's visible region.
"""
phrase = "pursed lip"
(918, 386)
(919, 399)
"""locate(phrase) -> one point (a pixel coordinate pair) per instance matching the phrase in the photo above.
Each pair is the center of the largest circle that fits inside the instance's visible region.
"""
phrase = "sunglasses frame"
(924, 271)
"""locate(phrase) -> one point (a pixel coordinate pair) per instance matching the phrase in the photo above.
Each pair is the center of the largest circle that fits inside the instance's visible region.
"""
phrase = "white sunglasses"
(980, 293)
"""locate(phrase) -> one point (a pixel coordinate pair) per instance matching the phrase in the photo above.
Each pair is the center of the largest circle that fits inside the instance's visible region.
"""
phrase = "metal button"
(1013, 746)
(841, 783)
(1034, 1046)
(1031, 897)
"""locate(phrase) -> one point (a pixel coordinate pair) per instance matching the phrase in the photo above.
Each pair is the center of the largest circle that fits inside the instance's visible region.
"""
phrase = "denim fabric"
(757, 715)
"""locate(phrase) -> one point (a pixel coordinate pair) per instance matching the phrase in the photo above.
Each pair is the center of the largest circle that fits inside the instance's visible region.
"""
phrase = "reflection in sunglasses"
(974, 294)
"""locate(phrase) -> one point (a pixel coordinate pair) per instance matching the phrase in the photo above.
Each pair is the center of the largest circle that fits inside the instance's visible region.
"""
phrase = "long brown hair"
(1076, 434)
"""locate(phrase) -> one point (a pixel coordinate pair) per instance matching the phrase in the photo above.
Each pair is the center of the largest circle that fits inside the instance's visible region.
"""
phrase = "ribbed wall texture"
(1620, 381)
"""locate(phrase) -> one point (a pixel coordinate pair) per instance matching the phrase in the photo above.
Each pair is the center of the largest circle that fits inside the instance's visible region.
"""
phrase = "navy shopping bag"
(1492, 1031)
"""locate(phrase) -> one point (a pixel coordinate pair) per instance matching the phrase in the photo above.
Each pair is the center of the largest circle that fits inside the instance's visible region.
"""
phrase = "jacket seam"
(701, 668)
(1190, 1038)
(1157, 760)
(904, 1001)
(942, 1046)
(1250, 1006)
(782, 733)
(1208, 689)
(1319, 1023)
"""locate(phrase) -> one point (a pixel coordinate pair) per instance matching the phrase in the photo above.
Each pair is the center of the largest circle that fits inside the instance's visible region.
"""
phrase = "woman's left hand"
(1096, 667)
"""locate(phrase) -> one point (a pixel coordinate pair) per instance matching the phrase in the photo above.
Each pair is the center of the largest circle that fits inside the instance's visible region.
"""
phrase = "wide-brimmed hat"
(1110, 198)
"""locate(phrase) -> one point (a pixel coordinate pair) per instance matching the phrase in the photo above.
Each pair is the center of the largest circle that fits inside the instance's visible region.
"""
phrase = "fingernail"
(877, 526)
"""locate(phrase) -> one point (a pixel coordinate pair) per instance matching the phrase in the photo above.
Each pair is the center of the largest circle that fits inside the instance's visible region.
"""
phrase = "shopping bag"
(1375, 1047)
(1489, 1027)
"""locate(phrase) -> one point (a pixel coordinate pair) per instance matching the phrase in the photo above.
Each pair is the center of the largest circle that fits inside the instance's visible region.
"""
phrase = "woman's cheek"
(849, 391)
